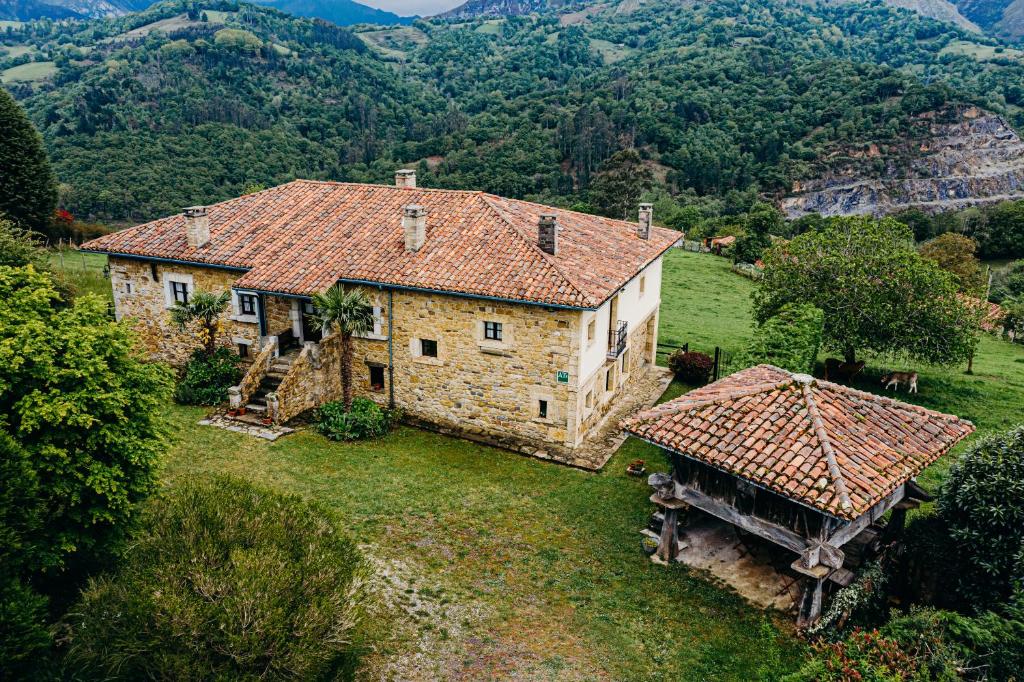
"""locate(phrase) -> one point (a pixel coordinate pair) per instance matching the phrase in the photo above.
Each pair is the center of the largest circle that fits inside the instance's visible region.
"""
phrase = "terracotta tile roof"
(830, 447)
(302, 237)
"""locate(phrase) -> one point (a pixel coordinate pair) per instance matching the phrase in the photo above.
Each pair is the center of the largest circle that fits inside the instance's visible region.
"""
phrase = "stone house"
(504, 320)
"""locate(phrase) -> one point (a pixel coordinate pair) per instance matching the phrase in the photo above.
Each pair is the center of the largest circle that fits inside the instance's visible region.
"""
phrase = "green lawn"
(33, 71)
(498, 565)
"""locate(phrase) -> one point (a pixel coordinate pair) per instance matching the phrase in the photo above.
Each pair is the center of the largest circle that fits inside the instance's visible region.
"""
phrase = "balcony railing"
(617, 340)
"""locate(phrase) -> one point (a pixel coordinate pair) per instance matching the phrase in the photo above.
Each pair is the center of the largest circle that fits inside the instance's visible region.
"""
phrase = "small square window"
(243, 350)
(127, 287)
(247, 304)
(180, 291)
(492, 331)
(643, 285)
(428, 348)
(542, 409)
(591, 330)
(376, 378)
(609, 377)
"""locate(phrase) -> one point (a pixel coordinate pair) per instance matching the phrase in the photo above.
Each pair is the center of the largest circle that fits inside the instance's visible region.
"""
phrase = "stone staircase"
(271, 380)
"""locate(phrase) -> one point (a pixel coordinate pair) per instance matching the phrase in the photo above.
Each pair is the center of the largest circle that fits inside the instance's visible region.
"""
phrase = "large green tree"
(617, 187)
(878, 294)
(78, 397)
(28, 188)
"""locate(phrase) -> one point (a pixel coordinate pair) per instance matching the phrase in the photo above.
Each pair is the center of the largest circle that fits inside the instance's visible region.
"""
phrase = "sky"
(407, 7)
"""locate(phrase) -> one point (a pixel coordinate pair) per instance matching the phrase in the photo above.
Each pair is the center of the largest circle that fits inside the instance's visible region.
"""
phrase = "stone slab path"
(606, 439)
(250, 429)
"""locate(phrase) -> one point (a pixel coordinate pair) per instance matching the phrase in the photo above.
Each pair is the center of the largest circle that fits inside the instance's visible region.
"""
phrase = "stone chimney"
(197, 226)
(414, 224)
(547, 233)
(643, 226)
(405, 178)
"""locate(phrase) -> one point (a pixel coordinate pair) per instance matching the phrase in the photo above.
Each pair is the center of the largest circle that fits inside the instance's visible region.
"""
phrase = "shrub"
(982, 503)
(366, 420)
(206, 378)
(225, 581)
(790, 339)
(692, 367)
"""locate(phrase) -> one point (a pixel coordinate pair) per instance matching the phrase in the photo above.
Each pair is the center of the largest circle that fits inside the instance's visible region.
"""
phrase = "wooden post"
(668, 545)
(718, 358)
(810, 603)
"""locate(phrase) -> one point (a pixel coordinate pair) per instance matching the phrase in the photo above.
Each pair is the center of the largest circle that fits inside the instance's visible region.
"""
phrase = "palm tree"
(352, 314)
(206, 308)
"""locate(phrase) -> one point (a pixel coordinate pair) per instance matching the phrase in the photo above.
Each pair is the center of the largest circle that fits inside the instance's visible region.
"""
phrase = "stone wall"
(142, 299)
(314, 379)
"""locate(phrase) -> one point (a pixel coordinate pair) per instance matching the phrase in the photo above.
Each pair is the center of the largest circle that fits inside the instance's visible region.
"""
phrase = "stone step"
(253, 407)
(278, 368)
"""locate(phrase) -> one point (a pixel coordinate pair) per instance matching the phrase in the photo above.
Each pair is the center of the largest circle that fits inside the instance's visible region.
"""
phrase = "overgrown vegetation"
(691, 367)
(227, 581)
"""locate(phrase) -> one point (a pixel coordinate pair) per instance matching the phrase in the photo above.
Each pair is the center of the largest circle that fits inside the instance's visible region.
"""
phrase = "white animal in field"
(894, 379)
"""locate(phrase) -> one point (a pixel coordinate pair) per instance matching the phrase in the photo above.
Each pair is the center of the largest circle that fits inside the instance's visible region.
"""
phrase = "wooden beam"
(810, 604)
(853, 528)
(752, 524)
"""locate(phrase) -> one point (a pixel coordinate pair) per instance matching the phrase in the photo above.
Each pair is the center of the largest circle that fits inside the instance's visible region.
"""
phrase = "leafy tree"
(1008, 282)
(1013, 318)
(28, 188)
(351, 313)
(618, 185)
(876, 291)
(982, 505)
(208, 376)
(226, 581)
(76, 396)
(204, 308)
(789, 340)
(759, 224)
(955, 253)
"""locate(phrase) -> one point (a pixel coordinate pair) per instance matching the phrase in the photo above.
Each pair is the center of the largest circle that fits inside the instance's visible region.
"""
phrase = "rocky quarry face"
(976, 159)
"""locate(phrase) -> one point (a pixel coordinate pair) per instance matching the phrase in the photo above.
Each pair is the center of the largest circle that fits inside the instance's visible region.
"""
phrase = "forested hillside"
(723, 100)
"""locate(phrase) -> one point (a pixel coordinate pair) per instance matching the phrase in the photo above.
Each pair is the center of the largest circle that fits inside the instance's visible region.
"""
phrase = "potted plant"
(232, 412)
(636, 468)
(240, 411)
(267, 421)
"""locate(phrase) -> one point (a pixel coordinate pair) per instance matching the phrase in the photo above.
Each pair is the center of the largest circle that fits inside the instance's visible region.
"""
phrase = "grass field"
(981, 53)
(12, 51)
(611, 52)
(84, 269)
(504, 566)
(5, 24)
(394, 42)
(33, 71)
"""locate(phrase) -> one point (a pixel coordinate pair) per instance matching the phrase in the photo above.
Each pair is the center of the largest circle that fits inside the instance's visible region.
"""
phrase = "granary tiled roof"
(830, 447)
(302, 237)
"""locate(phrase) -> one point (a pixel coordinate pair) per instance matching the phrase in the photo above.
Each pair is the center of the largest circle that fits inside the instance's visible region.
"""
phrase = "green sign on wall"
(562, 377)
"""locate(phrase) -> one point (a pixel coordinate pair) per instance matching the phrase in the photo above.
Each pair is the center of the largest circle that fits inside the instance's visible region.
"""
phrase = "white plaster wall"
(634, 308)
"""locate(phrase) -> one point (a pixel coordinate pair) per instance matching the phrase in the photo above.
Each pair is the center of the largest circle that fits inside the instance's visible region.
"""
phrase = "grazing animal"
(842, 372)
(894, 379)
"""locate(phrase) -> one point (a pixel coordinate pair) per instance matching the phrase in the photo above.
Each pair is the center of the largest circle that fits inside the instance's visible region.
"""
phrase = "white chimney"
(405, 178)
(414, 224)
(197, 226)
(547, 233)
(643, 227)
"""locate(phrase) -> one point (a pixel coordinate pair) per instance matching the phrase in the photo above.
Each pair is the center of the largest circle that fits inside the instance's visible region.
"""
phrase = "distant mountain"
(1001, 17)
(340, 12)
(25, 10)
(503, 8)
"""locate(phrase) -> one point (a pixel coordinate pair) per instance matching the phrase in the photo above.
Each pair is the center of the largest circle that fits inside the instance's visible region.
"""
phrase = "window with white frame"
(247, 304)
(178, 288)
(492, 331)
